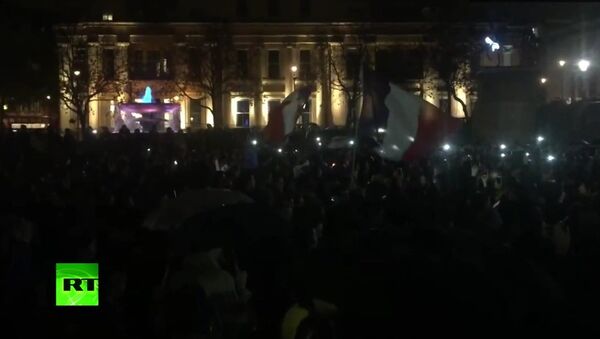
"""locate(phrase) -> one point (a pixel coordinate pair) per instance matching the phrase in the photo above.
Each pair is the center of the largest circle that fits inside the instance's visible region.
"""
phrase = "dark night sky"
(45, 11)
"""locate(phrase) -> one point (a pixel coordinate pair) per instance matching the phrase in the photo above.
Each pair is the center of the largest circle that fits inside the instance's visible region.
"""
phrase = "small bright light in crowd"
(561, 63)
(446, 147)
(583, 65)
(502, 155)
(488, 40)
(380, 130)
(395, 147)
(411, 139)
(351, 142)
(95, 131)
(495, 46)
(77, 73)
(320, 144)
(175, 163)
(526, 154)
(550, 157)
(543, 80)
(502, 146)
(176, 98)
(148, 150)
(48, 97)
(540, 138)
(5, 107)
(294, 68)
(295, 150)
(333, 164)
(279, 150)
(318, 138)
(254, 141)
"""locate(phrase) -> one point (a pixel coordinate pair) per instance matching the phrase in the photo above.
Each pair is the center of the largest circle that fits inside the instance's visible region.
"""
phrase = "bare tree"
(210, 69)
(455, 50)
(82, 77)
(346, 59)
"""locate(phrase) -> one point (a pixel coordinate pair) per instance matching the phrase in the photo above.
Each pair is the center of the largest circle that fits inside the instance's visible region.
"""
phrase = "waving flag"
(411, 127)
(282, 118)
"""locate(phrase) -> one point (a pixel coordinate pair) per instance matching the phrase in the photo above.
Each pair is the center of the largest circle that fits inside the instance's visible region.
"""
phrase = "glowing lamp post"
(294, 69)
(583, 65)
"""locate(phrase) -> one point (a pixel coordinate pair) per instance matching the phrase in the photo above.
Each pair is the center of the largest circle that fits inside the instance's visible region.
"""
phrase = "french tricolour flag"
(282, 118)
(412, 128)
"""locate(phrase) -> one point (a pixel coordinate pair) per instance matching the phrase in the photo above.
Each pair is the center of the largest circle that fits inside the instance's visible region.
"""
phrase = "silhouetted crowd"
(473, 240)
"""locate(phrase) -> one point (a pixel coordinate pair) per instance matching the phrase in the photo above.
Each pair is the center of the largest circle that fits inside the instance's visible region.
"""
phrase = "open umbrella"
(245, 227)
(172, 213)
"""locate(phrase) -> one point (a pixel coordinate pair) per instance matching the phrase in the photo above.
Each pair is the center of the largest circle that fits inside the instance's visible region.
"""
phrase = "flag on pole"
(410, 127)
(282, 118)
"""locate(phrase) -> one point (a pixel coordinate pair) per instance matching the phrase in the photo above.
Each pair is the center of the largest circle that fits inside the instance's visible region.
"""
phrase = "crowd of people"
(477, 240)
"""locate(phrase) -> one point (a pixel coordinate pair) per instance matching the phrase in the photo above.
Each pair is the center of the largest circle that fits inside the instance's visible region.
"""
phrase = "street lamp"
(294, 69)
(583, 65)
(493, 44)
(561, 64)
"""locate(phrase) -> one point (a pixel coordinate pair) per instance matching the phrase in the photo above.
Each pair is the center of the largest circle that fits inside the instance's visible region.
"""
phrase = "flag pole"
(356, 120)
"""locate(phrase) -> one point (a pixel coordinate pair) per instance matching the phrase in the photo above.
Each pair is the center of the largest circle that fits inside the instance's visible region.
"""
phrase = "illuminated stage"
(146, 115)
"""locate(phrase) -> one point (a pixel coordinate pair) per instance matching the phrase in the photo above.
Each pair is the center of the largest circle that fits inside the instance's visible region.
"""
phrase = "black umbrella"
(245, 227)
(172, 213)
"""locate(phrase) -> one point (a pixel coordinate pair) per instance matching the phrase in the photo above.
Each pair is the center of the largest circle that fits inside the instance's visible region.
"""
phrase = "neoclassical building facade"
(269, 61)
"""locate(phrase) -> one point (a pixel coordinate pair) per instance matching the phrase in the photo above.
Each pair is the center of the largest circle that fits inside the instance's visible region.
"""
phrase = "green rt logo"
(76, 284)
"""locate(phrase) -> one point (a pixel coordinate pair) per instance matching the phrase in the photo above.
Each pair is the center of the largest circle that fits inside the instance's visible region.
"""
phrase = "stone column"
(122, 69)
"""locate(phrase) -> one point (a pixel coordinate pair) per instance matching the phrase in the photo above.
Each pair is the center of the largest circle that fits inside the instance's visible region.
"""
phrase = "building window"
(273, 8)
(108, 64)
(352, 64)
(193, 64)
(163, 68)
(195, 113)
(305, 70)
(306, 113)
(243, 114)
(510, 56)
(242, 8)
(305, 8)
(242, 63)
(150, 65)
(107, 17)
(136, 64)
(80, 61)
(274, 65)
(444, 103)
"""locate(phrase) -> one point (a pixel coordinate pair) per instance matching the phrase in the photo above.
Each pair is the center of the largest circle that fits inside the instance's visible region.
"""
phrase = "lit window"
(243, 114)
(107, 17)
